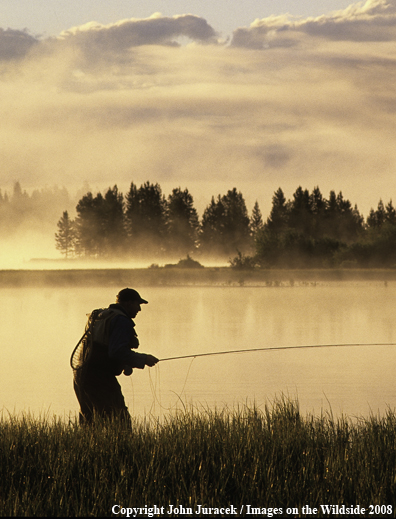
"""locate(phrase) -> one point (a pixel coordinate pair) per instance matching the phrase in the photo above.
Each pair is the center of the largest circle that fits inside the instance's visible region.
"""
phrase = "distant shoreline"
(209, 276)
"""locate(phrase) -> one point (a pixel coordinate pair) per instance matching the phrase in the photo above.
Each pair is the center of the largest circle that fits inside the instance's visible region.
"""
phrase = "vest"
(99, 357)
(101, 328)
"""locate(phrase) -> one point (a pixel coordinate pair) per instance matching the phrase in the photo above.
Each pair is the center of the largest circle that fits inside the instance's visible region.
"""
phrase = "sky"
(206, 95)
(50, 17)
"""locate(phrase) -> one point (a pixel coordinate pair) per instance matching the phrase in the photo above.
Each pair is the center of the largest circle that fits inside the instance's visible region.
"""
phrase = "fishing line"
(154, 388)
(185, 381)
(277, 348)
(133, 394)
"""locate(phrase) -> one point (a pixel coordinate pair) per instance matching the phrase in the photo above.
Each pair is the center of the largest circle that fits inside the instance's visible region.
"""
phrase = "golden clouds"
(373, 20)
(289, 102)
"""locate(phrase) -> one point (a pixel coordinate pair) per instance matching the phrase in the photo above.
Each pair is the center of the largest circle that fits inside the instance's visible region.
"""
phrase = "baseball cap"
(129, 294)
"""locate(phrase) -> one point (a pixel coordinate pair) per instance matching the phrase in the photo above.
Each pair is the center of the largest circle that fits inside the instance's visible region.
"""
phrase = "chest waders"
(97, 389)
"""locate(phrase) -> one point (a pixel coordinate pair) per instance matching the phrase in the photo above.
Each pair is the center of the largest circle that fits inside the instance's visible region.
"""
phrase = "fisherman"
(103, 353)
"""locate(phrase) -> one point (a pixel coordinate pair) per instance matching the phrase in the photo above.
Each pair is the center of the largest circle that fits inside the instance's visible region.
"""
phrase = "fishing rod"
(277, 348)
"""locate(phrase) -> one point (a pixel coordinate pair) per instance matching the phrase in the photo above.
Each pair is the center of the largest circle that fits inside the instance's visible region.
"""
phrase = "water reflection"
(40, 328)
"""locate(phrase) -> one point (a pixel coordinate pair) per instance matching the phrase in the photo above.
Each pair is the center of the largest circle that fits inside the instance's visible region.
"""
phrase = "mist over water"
(40, 328)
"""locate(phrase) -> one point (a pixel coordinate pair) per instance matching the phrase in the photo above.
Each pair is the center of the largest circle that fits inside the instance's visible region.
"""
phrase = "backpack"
(83, 350)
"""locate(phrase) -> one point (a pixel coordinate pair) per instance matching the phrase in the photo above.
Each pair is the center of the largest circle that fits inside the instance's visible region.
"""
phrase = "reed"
(267, 458)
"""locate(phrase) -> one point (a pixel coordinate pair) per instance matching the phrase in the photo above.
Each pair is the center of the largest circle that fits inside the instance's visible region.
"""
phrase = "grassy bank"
(221, 276)
(273, 458)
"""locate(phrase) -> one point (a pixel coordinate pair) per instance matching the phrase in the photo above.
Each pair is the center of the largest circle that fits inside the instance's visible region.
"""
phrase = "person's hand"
(151, 360)
(128, 371)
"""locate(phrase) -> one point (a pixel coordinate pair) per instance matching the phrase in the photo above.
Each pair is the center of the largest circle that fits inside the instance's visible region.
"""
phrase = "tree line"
(146, 224)
(20, 211)
(310, 231)
(307, 231)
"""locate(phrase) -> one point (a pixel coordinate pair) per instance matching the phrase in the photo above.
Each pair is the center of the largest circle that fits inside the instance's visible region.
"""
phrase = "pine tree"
(89, 226)
(212, 227)
(390, 213)
(65, 237)
(182, 220)
(300, 213)
(377, 218)
(225, 225)
(132, 217)
(278, 218)
(113, 222)
(256, 220)
(145, 217)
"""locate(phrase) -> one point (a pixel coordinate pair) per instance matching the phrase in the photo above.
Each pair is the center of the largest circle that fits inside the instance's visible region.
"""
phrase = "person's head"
(130, 300)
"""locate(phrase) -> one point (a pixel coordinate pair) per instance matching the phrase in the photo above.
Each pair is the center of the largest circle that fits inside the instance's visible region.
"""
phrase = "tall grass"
(266, 458)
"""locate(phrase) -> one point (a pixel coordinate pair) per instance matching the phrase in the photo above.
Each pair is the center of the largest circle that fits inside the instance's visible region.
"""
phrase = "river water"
(39, 328)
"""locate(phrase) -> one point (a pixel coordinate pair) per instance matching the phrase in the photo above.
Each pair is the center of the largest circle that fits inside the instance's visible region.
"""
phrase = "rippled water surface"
(39, 328)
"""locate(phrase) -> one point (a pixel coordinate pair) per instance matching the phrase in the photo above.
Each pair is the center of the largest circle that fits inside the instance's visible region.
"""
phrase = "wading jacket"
(113, 338)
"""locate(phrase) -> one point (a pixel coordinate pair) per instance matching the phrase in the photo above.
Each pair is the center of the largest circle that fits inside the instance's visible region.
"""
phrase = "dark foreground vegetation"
(271, 458)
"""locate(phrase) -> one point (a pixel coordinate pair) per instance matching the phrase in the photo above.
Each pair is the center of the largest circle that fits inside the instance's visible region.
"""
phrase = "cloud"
(15, 44)
(126, 34)
(121, 103)
(96, 42)
(373, 20)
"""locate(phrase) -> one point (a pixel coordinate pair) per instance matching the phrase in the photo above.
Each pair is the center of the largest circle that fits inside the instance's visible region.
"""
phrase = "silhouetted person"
(104, 352)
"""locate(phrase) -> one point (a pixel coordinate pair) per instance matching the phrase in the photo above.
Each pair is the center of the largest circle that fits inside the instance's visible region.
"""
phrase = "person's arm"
(120, 345)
